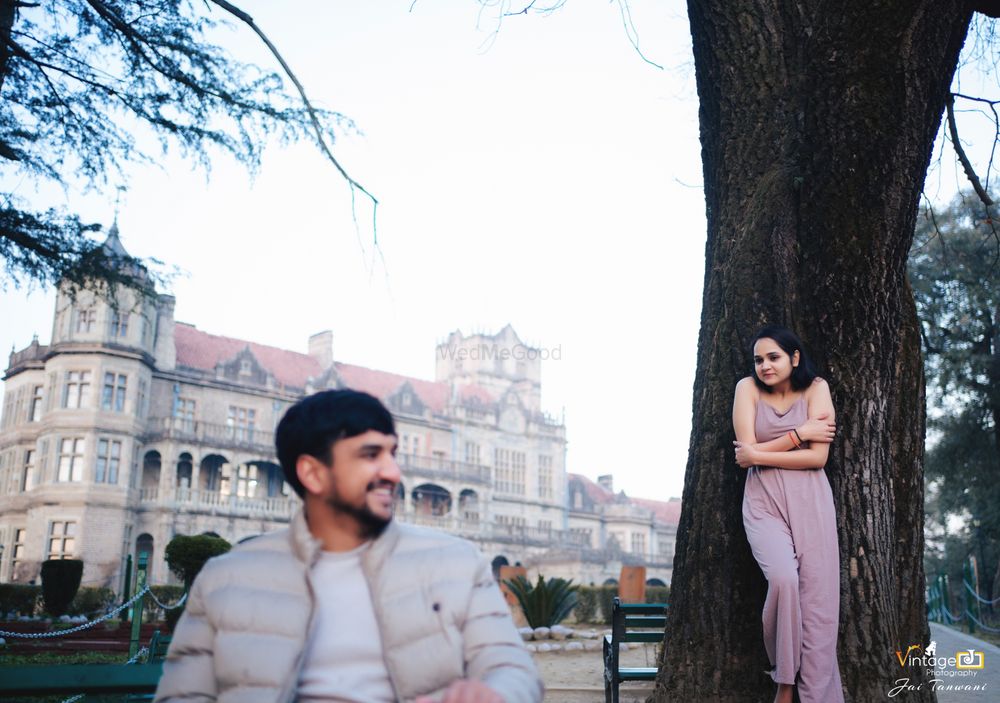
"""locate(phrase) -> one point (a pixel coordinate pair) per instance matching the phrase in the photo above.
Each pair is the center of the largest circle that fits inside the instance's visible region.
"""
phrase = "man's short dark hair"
(315, 423)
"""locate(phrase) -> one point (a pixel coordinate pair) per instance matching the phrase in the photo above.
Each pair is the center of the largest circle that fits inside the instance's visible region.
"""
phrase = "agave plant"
(545, 604)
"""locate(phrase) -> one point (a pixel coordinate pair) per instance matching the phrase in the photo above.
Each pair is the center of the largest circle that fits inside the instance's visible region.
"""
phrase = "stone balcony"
(483, 531)
(210, 435)
(281, 509)
(32, 355)
(278, 508)
(433, 468)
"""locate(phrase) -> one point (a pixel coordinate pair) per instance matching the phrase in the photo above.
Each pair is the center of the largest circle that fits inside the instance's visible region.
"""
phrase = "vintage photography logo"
(954, 673)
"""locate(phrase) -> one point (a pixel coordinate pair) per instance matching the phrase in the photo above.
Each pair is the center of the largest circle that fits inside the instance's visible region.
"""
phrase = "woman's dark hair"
(803, 374)
(315, 423)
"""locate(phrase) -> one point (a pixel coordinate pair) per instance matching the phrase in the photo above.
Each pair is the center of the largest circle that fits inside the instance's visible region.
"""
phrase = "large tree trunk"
(817, 124)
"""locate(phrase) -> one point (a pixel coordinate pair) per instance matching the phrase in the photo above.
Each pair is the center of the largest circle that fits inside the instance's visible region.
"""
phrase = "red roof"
(665, 511)
(597, 493)
(203, 351)
(382, 384)
(668, 512)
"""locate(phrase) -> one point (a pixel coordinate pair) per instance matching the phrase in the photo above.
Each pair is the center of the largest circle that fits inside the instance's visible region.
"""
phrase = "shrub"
(187, 554)
(586, 604)
(657, 594)
(91, 601)
(606, 600)
(545, 604)
(19, 598)
(60, 582)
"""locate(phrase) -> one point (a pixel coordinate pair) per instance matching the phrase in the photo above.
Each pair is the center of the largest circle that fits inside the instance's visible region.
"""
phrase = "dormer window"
(246, 368)
(407, 399)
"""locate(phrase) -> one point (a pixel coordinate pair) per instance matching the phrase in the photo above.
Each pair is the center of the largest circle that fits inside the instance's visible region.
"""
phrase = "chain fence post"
(127, 585)
(974, 572)
(966, 572)
(945, 595)
(137, 607)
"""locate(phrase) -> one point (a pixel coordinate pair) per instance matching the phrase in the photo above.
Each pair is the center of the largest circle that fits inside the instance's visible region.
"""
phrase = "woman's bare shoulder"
(818, 391)
(746, 386)
(818, 384)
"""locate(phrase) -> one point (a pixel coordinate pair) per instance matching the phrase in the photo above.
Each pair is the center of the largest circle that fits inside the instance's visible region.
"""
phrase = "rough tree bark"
(817, 124)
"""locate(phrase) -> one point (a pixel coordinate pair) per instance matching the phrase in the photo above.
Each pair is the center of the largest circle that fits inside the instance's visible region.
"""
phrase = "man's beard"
(371, 525)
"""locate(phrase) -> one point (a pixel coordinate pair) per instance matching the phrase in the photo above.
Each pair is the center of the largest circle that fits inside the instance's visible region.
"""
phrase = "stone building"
(129, 428)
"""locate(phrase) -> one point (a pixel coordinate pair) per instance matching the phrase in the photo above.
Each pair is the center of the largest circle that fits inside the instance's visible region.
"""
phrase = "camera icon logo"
(970, 659)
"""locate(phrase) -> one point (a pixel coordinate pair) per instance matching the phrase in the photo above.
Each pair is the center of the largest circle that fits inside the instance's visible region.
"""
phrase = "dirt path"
(578, 677)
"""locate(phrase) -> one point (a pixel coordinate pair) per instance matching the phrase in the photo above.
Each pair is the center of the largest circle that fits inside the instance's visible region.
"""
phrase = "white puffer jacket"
(441, 616)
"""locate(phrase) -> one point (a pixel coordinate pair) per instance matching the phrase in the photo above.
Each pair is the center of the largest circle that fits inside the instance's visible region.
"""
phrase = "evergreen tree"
(85, 83)
(956, 283)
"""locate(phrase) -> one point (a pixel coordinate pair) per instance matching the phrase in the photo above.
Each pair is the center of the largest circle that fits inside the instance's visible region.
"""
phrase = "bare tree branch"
(320, 139)
(962, 157)
(632, 33)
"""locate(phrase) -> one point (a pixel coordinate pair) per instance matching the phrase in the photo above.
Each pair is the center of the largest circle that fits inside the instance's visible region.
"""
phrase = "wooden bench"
(158, 645)
(631, 622)
(70, 679)
(135, 681)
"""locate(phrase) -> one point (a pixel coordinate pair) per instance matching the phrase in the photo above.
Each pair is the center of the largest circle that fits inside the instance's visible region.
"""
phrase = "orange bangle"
(796, 444)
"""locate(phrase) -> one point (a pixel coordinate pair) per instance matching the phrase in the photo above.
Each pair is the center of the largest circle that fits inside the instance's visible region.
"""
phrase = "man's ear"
(312, 473)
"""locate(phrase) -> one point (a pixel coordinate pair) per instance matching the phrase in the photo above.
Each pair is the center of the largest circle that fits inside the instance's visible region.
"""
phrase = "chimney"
(321, 348)
(164, 346)
(606, 482)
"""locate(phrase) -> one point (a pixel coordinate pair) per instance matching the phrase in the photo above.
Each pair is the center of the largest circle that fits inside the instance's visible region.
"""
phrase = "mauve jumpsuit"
(792, 528)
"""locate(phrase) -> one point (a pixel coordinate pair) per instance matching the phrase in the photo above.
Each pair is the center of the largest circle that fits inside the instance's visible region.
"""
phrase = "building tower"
(73, 416)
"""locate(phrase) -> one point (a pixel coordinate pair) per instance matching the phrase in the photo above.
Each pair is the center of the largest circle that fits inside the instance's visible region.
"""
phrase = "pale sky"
(549, 178)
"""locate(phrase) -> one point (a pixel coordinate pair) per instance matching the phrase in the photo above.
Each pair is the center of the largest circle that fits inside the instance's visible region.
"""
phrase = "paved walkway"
(949, 641)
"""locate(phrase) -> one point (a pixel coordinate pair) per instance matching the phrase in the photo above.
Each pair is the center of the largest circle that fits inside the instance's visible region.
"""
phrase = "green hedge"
(19, 598)
(657, 594)
(60, 582)
(595, 603)
(186, 554)
(606, 600)
(586, 604)
(92, 601)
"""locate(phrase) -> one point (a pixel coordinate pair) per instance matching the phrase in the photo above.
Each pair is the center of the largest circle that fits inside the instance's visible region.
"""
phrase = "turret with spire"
(119, 314)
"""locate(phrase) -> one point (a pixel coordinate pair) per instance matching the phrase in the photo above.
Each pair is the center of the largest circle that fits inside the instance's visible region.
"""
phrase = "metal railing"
(975, 610)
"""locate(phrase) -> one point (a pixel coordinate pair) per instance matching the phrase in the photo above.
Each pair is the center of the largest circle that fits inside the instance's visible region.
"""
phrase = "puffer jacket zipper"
(291, 686)
(381, 628)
